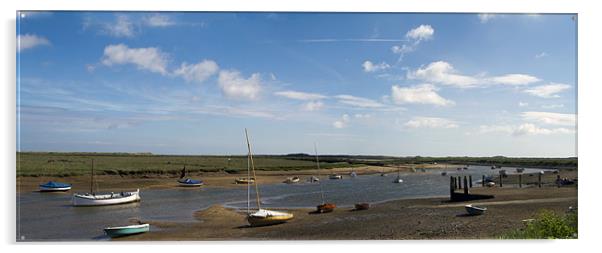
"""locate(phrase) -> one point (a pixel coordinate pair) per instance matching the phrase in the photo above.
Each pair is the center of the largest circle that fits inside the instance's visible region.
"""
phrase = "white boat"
(261, 217)
(475, 210)
(103, 199)
(490, 184)
(313, 179)
(398, 178)
(335, 176)
(292, 180)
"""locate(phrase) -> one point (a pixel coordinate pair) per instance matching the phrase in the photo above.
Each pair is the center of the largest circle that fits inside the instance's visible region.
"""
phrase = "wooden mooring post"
(465, 186)
(520, 180)
(483, 181)
(539, 180)
(470, 181)
(452, 186)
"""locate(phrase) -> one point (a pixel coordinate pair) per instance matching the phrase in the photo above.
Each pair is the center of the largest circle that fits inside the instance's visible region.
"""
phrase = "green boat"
(127, 230)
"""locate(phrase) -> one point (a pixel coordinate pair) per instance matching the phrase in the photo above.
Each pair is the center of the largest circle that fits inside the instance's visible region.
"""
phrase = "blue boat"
(52, 186)
(127, 230)
(190, 182)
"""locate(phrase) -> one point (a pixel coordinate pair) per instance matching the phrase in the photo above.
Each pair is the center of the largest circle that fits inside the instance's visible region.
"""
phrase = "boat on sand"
(474, 210)
(187, 182)
(292, 180)
(261, 217)
(244, 180)
(52, 186)
(335, 176)
(114, 232)
(324, 207)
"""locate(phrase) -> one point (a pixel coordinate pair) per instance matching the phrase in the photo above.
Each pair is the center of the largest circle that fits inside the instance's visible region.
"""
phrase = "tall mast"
(318, 163)
(253, 168)
(248, 185)
(92, 179)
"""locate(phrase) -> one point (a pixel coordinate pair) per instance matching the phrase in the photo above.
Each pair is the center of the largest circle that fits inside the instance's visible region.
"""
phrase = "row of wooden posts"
(456, 182)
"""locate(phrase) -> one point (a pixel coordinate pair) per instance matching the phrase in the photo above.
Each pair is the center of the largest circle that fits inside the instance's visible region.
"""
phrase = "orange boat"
(326, 208)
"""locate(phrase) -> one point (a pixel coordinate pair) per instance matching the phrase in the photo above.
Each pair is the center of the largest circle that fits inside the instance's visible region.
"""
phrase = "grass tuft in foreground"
(548, 225)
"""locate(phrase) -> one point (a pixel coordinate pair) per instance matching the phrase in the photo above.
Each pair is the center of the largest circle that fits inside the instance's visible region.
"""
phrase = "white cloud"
(551, 118)
(530, 129)
(444, 73)
(523, 129)
(402, 49)
(552, 106)
(549, 90)
(430, 122)
(298, 95)
(343, 122)
(150, 58)
(233, 85)
(197, 72)
(485, 17)
(541, 55)
(358, 101)
(28, 41)
(422, 32)
(420, 94)
(368, 66)
(362, 116)
(513, 79)
(158, 20)
(313, 106)
(122, 27)
(523, 104)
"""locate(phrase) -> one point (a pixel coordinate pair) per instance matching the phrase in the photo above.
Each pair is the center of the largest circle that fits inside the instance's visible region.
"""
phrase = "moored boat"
(127, 230)
(362, 206)
(102, 199)
(398, 178)
(261, 217)
(313, 179)
(244, 180)
(52, 186)
(335, 176)
(292, 180)
(475, 210)
(325, 208)
(190, 182)
(353, 174)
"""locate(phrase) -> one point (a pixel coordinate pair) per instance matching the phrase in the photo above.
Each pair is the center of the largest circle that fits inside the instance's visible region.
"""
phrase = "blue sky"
(386, 84)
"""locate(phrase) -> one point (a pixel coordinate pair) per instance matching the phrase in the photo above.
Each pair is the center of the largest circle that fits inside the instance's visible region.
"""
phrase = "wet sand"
(432, 218)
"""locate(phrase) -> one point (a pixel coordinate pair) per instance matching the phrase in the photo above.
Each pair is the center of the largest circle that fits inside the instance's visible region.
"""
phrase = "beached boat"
(475, 210)
(398, 178)
(190, 182)
(261, 217)
(103, 199)
(292, 180)
(335, 176)
(490, 184)
(362, 206)
(126, 230)
(324, 207)
(52, 186)
(313, 179)
(244, 180)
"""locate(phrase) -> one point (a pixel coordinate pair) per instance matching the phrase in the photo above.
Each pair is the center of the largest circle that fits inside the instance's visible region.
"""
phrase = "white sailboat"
(261, 217)
(103, 199)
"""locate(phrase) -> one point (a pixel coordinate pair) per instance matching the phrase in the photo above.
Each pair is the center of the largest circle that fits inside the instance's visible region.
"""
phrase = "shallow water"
(50, 216)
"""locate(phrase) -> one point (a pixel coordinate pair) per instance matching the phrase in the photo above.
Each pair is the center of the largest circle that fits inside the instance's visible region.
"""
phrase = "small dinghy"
(474, 210)
(490, 184)
(52, 186)
(362, 206)
(335, 176)
(398, 180)
(244, 180)
(292, 180)
(326, 208)
(190, 182)
(127, 230)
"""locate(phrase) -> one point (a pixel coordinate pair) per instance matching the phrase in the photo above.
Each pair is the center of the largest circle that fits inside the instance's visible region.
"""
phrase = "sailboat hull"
(105, 198)
(267, 221)
(326, 208)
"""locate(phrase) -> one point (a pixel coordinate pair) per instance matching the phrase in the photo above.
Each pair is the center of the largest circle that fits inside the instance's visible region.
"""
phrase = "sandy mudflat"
(433, 218)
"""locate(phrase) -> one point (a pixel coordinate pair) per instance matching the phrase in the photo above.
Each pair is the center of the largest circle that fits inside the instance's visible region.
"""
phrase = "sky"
(353, 83)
